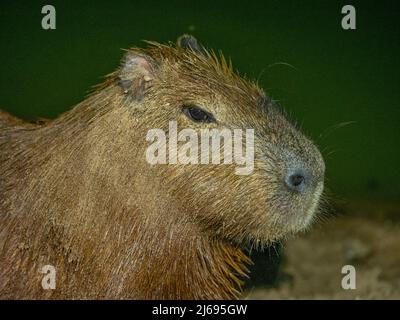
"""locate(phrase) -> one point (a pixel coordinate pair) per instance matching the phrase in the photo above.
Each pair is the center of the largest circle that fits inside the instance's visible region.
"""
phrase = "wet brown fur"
(77, 193)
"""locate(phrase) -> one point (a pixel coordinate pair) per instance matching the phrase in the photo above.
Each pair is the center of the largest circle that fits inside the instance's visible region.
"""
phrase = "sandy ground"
(364, 235)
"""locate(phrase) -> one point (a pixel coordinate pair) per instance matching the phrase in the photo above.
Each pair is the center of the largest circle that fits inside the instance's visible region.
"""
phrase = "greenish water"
(337, 76)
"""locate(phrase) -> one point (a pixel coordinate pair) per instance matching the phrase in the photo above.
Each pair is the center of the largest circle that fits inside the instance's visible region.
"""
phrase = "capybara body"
(77, 192)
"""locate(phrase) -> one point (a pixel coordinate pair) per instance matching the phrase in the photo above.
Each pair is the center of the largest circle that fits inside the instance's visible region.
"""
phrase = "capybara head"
(197, 89)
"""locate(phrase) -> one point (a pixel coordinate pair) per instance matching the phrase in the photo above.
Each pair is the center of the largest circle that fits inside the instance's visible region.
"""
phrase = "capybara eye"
(197, 114)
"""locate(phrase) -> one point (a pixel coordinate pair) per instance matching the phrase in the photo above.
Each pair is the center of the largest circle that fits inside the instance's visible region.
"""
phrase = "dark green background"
(337, 76)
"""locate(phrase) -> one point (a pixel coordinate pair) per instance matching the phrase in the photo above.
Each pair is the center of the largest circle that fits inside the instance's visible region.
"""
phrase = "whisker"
(334, 127)
(281, 63)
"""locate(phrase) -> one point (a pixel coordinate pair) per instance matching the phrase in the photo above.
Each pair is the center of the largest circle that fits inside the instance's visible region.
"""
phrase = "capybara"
(78, 193)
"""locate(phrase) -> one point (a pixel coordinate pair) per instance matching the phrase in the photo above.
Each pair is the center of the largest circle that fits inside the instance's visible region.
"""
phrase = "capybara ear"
(189, 42)
(136, 74)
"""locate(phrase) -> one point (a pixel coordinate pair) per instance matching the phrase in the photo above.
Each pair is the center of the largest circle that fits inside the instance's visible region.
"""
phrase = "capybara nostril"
(297, 180)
